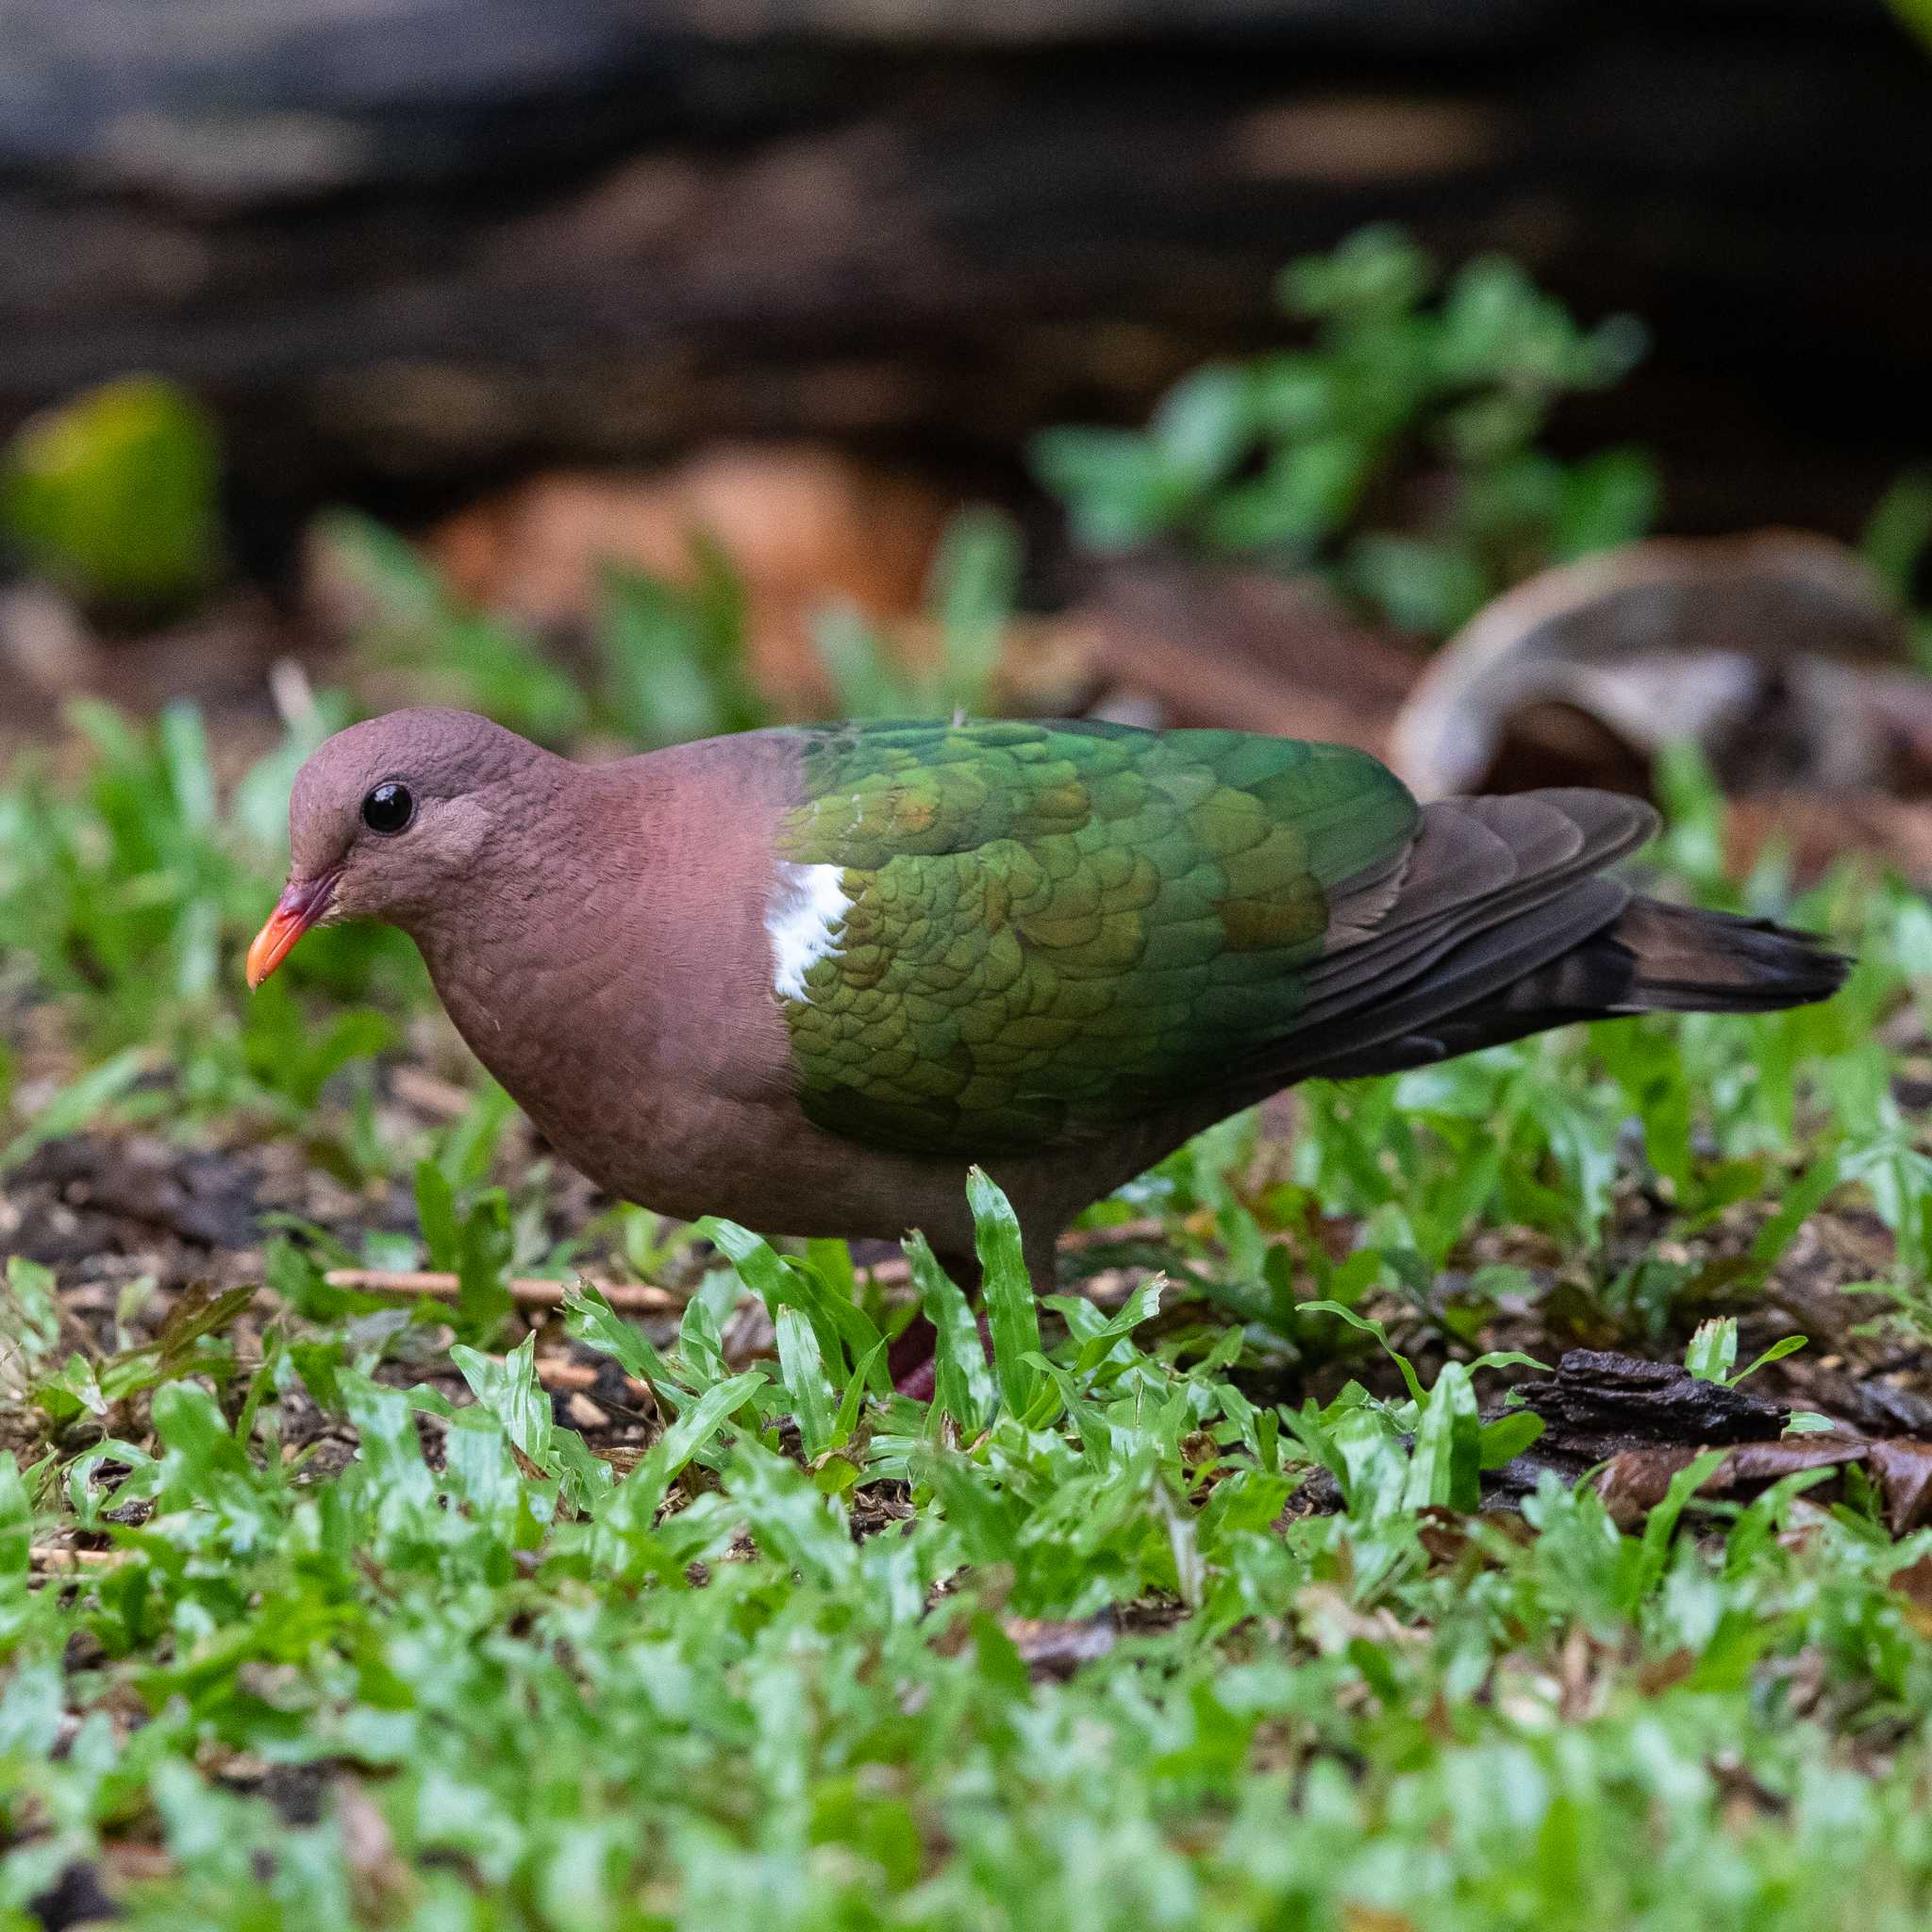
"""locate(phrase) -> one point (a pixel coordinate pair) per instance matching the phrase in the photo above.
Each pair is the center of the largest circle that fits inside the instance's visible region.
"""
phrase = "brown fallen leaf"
(1914, 1583)
(1057, 1646)
(1634, 1482)
(803, 527)
(1904, 1471)
(1178, 645)
(1817, 828)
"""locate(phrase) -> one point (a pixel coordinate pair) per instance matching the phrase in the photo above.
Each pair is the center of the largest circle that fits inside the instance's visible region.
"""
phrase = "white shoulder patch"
(804, 916)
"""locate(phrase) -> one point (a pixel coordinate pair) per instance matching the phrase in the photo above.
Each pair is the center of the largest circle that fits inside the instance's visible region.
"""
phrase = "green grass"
(376, 1638)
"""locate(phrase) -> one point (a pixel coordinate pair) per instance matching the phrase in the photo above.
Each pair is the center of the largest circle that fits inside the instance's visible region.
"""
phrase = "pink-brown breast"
(621, 986)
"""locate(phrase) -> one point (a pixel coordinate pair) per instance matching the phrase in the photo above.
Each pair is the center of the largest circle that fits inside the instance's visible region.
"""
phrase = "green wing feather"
(1053, 928)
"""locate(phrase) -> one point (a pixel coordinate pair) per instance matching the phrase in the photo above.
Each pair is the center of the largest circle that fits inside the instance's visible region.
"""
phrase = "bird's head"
(388, 820)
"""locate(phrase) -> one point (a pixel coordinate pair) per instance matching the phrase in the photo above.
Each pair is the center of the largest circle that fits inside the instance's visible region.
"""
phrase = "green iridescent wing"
(1027, 930)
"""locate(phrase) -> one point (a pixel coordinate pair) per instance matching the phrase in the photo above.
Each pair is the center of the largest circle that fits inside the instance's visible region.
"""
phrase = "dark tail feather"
(1677, 959)
(1653, 957)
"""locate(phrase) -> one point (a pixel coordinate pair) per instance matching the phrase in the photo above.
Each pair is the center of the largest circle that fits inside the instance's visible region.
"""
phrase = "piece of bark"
(1599, 1404)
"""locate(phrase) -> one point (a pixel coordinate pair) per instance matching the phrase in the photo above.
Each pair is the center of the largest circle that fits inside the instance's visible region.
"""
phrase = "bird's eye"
(389, 808)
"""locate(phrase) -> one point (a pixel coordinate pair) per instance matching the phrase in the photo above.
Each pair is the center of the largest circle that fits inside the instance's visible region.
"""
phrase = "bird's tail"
(1501, 921)
(1659, 957)
(1652, 958)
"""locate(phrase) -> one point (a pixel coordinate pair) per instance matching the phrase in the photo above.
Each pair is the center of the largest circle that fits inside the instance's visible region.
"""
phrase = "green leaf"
(76, 1104)
(115, 493)
(962, 1383)
(1802, 1199)
(1790, 1345)
(847, 1417)
(16, 1527)
(589, 1318)
(788, 1517)
(511, 1392)
(972, 588)
(1007, 1290)
(436, 1214)
(687, 1436)
(1369, 1464)
(1712, 1350)
(1443, 1466)
(1507, 1437)
(1660, 1525)
(1203, 425)
(1411, 1380)
(803, 1368)
(1900, 527)
(484, 1301)
(30, 1330)
(509, 1389)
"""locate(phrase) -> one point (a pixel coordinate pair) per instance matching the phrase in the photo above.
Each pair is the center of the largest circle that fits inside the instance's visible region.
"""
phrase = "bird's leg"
(913, 1362)
(913, 1359)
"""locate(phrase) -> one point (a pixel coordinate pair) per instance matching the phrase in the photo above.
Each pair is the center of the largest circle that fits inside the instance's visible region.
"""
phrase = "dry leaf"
(803, 527)
(1779, 652)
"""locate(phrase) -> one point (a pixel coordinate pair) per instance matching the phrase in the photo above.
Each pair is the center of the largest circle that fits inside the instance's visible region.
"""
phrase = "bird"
(804, 977)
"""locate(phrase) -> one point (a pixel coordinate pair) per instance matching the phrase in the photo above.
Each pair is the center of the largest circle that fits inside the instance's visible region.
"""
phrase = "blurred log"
(408, 246)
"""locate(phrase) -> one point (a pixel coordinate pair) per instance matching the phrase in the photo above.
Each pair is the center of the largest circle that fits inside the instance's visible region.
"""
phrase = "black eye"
(389, 808)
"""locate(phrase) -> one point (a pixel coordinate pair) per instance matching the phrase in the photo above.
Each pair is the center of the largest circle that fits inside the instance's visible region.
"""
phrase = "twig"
(643, 1298)
(552, 1372)
(429, 1094)
(634, 1297)
(1149, 1228)
(897, 1271)
(60, 1556)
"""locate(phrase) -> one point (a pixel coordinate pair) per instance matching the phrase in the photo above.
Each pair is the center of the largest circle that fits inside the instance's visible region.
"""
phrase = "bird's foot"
(913, 1361)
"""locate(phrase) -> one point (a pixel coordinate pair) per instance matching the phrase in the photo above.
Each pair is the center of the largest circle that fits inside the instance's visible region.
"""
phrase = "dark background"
(412, 249)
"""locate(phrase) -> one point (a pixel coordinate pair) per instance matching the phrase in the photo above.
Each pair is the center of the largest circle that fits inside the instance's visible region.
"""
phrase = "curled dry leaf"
(1057, 1646)
(1779, 652)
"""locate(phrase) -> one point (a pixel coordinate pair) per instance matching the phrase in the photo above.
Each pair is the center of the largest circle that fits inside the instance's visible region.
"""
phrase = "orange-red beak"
(303, 902)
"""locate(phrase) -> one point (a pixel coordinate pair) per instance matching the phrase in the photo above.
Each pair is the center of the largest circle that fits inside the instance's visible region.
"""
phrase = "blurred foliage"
(1398, 452)
(1896, 543)
(668, 662)
(455, 653)
(1917, 14)
(970, 590)
(115, 496)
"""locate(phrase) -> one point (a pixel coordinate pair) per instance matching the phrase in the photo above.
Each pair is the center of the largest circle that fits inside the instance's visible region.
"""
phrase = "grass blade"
(1006, 1290)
